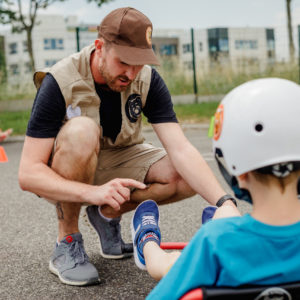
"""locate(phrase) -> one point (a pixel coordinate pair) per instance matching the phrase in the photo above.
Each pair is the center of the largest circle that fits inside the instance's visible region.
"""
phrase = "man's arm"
(189, 163)
(37, 177)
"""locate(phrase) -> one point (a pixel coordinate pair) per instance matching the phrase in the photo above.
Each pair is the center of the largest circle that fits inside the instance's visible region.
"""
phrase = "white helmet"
(258, 124)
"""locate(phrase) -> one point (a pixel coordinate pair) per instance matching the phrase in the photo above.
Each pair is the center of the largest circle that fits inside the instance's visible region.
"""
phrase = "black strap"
(225, 198)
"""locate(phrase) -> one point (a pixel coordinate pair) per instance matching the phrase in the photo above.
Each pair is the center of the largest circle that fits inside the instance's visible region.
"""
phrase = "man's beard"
(112, 81)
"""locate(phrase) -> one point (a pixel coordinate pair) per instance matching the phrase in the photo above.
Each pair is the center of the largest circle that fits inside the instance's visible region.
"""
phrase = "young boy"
(257, 135)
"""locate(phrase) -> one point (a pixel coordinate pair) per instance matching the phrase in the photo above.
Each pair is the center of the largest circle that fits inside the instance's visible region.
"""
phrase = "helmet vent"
(259, 127)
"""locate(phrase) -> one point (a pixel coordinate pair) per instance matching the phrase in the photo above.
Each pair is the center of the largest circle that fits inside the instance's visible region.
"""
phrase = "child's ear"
(243, 178)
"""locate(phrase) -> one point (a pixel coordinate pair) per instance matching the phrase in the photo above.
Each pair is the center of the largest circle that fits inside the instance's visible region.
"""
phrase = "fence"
(200, 62)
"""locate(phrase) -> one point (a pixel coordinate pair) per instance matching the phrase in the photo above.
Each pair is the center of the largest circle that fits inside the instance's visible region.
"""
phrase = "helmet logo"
(218, 122)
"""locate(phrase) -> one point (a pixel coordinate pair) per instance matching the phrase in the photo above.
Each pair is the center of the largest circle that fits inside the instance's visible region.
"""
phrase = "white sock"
(102, 216)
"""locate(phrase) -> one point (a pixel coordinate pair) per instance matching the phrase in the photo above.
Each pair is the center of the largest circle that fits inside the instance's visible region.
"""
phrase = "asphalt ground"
(29, 231)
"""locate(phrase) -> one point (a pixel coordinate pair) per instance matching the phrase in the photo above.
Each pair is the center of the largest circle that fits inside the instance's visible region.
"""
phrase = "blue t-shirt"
(232, 252)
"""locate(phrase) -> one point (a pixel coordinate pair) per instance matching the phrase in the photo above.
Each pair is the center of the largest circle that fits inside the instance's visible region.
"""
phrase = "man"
(70, 160)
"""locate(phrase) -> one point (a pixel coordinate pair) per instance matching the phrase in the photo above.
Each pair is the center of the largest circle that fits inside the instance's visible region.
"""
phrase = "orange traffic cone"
(3, 156)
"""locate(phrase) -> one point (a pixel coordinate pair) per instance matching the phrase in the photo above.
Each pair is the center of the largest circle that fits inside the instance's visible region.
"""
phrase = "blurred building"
(55, 37)
(236, 48)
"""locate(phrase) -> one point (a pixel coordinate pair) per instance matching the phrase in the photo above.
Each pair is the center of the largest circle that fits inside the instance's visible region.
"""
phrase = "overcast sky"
(189, 13)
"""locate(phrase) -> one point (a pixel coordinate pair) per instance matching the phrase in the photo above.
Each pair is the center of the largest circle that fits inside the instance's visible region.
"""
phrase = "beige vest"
(74, 77)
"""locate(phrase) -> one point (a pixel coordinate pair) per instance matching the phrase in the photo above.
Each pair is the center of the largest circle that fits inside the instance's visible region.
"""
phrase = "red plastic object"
(3, 157)
(172, 245)
(195, 294)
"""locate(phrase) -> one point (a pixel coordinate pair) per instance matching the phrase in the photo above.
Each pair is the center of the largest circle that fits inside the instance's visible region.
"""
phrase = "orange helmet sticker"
(218, 122)
(149, 35)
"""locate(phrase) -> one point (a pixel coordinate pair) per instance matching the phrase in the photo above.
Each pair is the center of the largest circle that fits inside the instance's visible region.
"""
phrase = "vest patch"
(73, 112)
(133, 107)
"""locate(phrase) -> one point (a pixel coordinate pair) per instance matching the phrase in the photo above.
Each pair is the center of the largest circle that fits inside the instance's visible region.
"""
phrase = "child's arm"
(197, 265)
(158, 262)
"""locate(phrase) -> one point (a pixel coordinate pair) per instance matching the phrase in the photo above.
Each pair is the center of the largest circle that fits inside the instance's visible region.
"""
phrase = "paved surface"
(28, 234)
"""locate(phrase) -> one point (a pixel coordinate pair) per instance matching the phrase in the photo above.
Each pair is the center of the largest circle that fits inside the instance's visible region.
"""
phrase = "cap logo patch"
(149, 35)
(218, 122)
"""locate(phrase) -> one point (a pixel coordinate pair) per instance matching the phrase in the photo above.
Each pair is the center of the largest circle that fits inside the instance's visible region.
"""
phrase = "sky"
(188, 13)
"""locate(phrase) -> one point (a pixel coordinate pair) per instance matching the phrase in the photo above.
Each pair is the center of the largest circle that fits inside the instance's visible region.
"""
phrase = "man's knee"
(79, 136)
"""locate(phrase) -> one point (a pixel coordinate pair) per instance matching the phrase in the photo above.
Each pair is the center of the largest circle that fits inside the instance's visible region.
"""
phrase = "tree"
(290, 31)
(12, 12)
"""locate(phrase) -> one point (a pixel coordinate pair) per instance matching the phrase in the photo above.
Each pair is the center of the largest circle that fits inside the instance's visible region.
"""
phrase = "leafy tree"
(12, 12)
(290, 30)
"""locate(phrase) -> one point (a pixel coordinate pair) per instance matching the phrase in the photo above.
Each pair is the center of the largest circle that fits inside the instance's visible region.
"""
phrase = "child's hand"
(5, 134)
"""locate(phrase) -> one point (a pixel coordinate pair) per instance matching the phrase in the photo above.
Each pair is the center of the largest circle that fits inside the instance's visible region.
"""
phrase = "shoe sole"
(65, 281)
(92, 228)
(135, 255)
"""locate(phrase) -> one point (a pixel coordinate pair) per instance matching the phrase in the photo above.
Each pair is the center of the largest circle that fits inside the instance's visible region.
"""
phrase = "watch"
(225, 198)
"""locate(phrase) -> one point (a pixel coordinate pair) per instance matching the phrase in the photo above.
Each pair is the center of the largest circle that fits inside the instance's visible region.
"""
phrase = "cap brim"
(136, 56)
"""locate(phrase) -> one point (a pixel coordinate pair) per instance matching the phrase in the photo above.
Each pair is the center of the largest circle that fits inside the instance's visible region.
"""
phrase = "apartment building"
(55, 37)
(237, 48)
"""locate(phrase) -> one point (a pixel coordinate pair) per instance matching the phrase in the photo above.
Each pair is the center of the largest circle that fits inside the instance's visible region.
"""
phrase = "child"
(257, 135)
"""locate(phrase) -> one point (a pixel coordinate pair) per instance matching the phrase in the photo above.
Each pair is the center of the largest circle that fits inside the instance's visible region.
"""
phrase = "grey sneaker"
(71, 264)
(111, 244)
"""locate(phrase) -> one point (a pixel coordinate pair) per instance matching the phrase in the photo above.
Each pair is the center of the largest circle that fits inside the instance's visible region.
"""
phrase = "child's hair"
(281, 182)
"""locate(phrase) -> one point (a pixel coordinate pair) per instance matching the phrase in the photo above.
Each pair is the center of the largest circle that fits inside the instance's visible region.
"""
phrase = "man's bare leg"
(165, 186)
(75, 158)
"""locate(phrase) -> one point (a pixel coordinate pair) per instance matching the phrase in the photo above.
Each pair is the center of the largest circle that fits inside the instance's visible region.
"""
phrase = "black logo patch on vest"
(133, 107)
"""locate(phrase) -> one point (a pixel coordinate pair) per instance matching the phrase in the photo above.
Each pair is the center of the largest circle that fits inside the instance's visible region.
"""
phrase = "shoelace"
(77, 252)
(148, 220)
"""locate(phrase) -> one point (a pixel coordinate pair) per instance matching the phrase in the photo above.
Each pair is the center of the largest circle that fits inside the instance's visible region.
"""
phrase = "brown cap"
(130, 33)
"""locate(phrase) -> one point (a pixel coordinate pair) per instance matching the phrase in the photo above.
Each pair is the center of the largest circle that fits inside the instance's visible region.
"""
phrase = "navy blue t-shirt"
(49, 108)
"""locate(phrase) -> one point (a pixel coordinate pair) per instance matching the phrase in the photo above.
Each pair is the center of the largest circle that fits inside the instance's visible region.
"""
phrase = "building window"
(14, 69)
(27, 68)
(168, 50)
(50, 62)
(200, 47)
(186, 48)
(13, 48)
(188, 65)
(270, 44)
(25, 46)
(53, 44)
(246, 44)
(223, 45)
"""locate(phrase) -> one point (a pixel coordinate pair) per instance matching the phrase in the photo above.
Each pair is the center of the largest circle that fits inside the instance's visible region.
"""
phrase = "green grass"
(191, 113)
(221, 79)
(16, 120)
(17, 92)
(195, 113)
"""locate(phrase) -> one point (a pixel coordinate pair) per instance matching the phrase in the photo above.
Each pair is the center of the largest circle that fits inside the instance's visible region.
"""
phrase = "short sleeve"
(159, 106)
(48, 110)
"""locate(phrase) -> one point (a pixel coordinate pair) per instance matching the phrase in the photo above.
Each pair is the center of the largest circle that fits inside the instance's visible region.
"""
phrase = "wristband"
(225, 198)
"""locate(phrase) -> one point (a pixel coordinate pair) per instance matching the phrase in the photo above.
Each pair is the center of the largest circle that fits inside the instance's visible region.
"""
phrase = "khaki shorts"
(131, 162)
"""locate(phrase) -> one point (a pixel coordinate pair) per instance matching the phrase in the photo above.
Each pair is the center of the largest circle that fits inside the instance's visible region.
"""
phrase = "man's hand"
(114, 193)
(228, 209)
